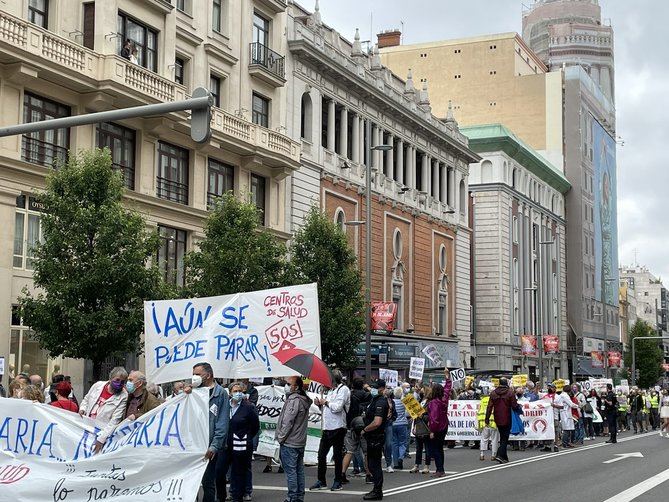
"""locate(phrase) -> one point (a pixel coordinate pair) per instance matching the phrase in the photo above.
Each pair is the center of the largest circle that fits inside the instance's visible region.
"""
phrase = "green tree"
(91, 268)
(320, 253)
(235, 256)
(648, 354)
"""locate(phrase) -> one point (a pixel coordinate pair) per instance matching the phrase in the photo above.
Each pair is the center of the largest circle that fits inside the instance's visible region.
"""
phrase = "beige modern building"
(63, 57)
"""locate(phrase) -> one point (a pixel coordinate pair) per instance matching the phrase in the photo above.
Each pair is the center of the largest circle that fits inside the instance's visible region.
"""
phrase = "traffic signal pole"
(200, 105)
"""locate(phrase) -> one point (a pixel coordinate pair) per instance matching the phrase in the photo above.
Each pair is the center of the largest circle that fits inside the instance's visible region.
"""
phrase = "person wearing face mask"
(140, 400)
(106, 403)
(375, 420)
(219, 421)
(291, 434)
(244, 424)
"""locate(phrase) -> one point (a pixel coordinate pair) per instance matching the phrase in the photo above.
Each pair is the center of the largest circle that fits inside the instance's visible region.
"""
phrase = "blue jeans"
(400, 433)
(292, 460)
(579, 433)
(359, 460)
(388, 445)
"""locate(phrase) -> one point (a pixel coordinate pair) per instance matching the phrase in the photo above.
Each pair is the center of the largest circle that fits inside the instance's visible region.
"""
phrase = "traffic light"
(200, 118)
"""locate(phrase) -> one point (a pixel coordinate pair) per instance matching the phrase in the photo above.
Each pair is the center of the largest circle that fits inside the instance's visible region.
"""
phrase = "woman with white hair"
(106, 402)
(400, 430)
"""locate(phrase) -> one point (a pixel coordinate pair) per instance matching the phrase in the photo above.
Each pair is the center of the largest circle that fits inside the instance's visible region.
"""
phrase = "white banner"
(46, 453)
(270, 403)
(417, 368)
(239, 335)
(390, 376)
(433, 355)
(463, 417)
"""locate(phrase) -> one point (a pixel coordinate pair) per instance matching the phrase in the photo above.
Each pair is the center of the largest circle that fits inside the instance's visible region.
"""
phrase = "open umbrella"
(306, 364)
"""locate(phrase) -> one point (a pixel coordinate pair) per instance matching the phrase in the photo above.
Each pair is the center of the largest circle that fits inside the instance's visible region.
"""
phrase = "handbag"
(421, 428)
(517, 425)
(588, 408)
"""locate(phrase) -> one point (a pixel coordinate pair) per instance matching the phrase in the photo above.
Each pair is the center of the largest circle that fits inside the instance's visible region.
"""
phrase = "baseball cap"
(379, 383)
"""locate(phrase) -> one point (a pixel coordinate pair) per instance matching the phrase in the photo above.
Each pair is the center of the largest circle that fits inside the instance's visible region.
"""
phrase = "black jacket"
(244, 425)
(359, 401)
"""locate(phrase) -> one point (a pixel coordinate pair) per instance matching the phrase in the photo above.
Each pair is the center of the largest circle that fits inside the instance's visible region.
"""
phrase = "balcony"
(172, 190)
(41, 152)
(267, 65)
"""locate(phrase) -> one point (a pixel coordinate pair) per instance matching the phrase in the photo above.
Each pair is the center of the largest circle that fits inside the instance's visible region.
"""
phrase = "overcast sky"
(642, 88)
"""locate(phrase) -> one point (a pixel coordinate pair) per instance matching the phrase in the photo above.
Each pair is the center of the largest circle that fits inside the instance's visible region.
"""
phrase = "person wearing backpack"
(360, 398)
(437, 409)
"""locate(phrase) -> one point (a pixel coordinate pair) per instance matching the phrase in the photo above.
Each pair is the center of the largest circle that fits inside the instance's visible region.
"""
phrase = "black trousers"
(239, 463)
(504, 431)
(611, 418)
(374, 460)
(331, 439)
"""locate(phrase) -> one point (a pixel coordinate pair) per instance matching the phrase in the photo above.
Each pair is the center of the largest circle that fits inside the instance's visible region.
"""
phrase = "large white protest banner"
(47, 453)
(270, 403)
(463, 419)
(240, 335)
(416, 368)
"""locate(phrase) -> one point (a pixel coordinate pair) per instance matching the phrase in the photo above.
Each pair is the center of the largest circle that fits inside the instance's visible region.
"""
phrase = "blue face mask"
(130, 386)
(237, 396)
(374, 392)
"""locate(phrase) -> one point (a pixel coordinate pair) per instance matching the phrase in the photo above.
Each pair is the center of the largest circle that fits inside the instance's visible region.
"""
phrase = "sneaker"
(556, 449)
(336, 486)
(414, 469)
(390, 469)
(356, 472)
(481, 457)
(368, 479)
(344, 480)
(438, 475)
(373, 496)
(426, 470)
(268, 468)
(247, 498)
(318, 486)
(280, 470)
(228, 498)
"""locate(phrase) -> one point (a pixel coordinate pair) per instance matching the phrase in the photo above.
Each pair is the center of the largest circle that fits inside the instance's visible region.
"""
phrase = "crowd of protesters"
(364, 424)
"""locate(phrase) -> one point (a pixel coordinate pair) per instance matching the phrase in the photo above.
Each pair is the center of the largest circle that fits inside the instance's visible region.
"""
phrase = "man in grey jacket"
(291, 434)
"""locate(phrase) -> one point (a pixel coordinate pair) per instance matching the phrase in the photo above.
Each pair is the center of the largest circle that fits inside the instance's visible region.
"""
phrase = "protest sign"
(47, 453)
(519, 380)
(468, 381)
(560, 383)
(2, 365)
(458, 374)
(463, 421)
(433, 355)
(416, 368)
(413, 406)
(257, 380)
(270, 403)
(390, 376)
(599, 384)
(586, 385)
(240, 335)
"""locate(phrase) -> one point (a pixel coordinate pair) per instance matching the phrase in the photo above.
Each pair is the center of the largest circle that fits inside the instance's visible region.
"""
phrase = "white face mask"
(196, 381)
(286, 388)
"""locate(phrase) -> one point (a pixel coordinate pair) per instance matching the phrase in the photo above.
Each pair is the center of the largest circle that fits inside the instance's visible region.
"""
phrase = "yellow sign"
(413, 406)
(519, 380)
(468, 381)
(480, 415)
(560, 383)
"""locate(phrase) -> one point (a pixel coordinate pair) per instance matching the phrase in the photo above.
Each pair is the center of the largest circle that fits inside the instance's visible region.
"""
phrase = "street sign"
(621, 456)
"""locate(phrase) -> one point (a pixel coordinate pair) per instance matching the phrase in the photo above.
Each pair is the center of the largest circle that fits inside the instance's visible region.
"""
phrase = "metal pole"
(368, 255)
(634, 355)
(196, 103)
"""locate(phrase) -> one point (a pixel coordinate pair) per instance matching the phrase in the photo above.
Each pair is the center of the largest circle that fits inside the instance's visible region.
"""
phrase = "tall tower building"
(570, 33)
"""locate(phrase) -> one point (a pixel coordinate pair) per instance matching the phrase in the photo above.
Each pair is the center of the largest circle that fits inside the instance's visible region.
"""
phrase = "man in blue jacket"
(219, 421)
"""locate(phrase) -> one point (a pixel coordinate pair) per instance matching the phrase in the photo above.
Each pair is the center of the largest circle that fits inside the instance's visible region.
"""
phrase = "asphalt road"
(595, 472)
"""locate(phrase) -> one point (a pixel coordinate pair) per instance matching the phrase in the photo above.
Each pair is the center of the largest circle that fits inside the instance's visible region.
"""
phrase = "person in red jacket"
(63, 391)
(502, 401)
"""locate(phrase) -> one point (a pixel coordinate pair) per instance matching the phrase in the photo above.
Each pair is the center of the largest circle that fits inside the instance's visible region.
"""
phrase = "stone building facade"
(421, 236)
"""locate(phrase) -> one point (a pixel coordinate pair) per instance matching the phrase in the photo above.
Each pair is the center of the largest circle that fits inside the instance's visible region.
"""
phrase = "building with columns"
(421, 235)
(63, 57)
(519, 254)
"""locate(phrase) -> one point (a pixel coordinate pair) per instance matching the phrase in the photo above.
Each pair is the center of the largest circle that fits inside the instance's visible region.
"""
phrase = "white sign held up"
(433, 355)
(417, 368)
(458, 374)
(390, 376)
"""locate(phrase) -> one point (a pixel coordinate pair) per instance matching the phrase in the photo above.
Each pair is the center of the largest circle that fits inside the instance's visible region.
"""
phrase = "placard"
(433, 355)
(2, 365)
(413, 406)
(458, 374)
(519, 380)
(390, 376)
(240, 335)
(417, 368)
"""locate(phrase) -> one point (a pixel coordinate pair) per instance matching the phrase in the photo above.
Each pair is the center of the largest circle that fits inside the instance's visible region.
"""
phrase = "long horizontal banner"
(463, 421)
(240, 335)
(46, 454)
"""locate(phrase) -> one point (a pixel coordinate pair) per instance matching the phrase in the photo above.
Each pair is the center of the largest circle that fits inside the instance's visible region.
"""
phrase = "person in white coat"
(564, 403)
(105, 402)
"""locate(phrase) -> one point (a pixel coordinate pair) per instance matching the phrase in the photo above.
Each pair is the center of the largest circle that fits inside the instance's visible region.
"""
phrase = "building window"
(258, 195)
(121, 143)
(44, 147)
(172, 180)
(179, 67)
(215, 89)
(27, 231)
(25, 353)
(181, 5)
(442, 293)
(143, 38)
(221, 180)
(306, 114)
(463, 198)
(260, 30)
(260, 110)
(514, 230)
(38, 12)
(398, 278)
(216, 15)
(516, 298)
(171, 254)
(340, 219)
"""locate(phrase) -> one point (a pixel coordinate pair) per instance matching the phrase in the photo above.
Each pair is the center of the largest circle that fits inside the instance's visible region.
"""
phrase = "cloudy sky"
(642, 89)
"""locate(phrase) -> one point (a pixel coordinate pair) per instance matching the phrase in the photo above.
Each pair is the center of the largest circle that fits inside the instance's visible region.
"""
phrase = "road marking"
(327, 492)
(641, 488)
(620, 456)
(515, 463)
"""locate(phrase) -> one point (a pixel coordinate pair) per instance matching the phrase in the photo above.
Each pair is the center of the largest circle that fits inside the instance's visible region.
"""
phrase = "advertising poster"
(528, 345)
(551, 344)
(383, 317)
(615, 359)
(597, 359)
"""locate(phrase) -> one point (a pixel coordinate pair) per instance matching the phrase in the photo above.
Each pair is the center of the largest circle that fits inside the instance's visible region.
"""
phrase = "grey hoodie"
(291, 429)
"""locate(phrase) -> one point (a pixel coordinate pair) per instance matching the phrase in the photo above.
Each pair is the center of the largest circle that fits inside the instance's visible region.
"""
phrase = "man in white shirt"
(334, 407)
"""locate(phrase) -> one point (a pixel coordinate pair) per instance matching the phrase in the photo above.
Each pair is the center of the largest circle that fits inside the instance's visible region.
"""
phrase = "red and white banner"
(551, 344)
(383, 316)
(597, 359)
(528, 345)
(615, 359)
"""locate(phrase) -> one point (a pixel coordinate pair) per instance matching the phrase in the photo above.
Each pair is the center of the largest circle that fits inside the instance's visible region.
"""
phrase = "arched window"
(463, 198)
(340, 218)
(514, 178)
(442, 293)
(398, 278)
(486, 171)
(306, 113)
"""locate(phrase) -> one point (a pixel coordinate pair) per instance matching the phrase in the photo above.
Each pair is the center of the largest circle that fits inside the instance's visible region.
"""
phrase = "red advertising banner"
(615, 359)
(597, 359)
(551, 344)
(665, 367)
(528, 345)
(383, 316)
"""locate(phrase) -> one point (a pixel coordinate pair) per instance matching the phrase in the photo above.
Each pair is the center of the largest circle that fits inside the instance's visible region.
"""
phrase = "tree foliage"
(91, 268)
(235, 256)
(648, 354)
(320, 253)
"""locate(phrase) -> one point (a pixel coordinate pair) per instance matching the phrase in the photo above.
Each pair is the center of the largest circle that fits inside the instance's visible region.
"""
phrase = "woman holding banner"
(437, 409)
